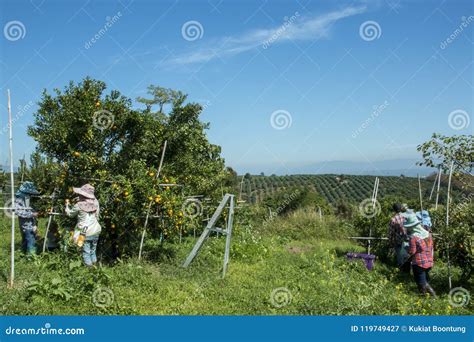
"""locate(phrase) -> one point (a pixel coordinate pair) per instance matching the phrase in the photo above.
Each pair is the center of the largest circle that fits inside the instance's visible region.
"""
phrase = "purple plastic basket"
(368, 259)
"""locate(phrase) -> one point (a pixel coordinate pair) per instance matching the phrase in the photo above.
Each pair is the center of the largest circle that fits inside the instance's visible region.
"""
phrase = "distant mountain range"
(392, 167)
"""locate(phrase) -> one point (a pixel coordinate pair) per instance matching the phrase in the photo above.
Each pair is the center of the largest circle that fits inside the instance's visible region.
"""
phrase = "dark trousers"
(28, 241)
(421, 275)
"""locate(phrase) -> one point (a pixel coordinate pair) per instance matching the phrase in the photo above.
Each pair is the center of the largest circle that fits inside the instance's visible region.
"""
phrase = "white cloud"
(300, 29)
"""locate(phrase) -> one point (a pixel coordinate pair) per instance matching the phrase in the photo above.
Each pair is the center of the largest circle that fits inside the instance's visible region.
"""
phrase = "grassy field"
(295, 265)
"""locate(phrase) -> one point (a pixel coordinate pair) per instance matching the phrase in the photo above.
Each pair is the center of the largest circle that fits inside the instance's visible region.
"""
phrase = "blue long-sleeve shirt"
(26, 215)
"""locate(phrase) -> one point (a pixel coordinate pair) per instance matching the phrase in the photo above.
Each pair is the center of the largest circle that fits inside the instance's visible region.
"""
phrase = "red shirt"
(396, 231)
(422, 251)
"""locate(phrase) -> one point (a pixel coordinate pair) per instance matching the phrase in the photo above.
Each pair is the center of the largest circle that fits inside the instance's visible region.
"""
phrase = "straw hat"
(86, 191)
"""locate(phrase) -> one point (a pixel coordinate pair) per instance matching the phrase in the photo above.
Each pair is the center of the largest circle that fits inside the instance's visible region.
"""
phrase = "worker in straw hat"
(420, 253)
(87, 231)
(27, 217)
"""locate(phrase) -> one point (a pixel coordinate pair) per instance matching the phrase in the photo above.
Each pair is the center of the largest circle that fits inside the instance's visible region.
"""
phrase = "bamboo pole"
(437, 190)
(50, 220)
(23, 162)
(12, 190)
(447, 221)
(151, 202)
(421, 196)
(374, 200)
(434, 186)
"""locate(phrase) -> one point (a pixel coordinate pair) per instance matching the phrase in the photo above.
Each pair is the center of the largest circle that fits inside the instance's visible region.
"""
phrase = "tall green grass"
(298, 257)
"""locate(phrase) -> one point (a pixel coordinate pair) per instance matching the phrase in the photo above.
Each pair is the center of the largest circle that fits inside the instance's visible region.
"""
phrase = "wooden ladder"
(211, 227)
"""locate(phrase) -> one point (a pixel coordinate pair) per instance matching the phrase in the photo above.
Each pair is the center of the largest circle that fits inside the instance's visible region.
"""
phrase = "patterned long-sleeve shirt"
(422, 251)
(26, 215)
(397, 234)
(89, 221)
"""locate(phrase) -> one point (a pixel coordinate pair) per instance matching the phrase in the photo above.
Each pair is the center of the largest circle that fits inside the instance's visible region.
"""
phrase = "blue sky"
(284, 83)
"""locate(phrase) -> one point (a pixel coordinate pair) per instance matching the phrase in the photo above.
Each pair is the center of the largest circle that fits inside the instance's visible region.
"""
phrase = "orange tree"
(84, 135)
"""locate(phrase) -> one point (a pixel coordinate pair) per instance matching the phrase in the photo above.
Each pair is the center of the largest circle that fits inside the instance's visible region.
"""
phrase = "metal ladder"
(211, 227)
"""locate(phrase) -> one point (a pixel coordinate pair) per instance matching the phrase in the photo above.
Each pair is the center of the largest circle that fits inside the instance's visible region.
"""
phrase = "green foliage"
(285, 201)
(336, 188)
(313, 268)
(442, 150)
(85, 135)
(457, 238)
(3, 179)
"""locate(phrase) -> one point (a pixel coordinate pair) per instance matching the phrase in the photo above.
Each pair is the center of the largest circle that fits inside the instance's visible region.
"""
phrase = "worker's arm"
(412, 247)
(71, 212)
(22, 211)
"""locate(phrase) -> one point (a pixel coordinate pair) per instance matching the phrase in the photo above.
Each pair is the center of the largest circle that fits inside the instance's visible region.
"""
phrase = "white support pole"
(447, 220)
(377, 190)
(51, 215)
(421, 196)
(374, 200)
(434, 185)
(373, 191)
(437, 190)
(151, 202)
(12, 180)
